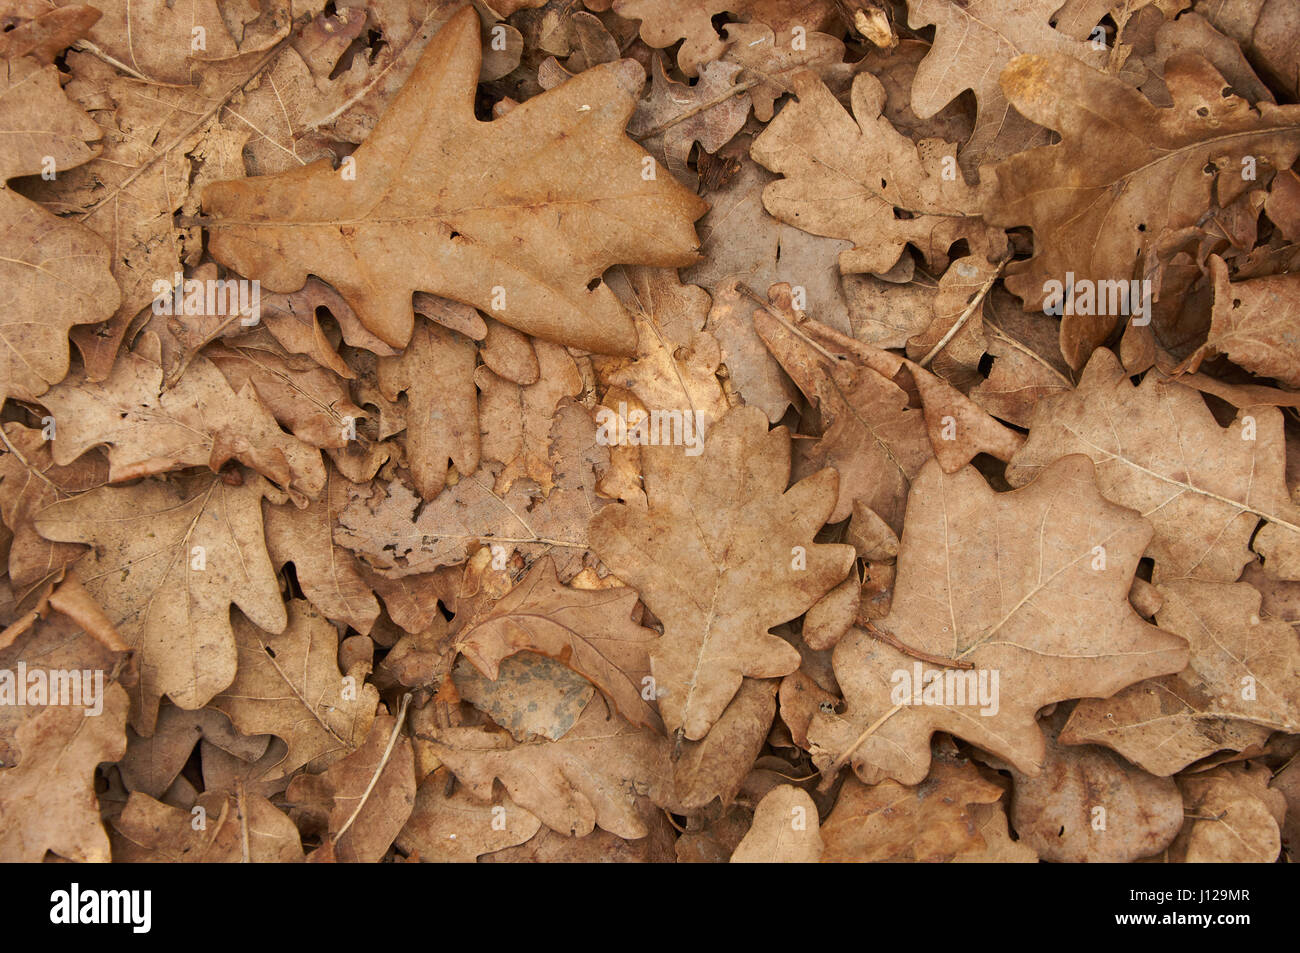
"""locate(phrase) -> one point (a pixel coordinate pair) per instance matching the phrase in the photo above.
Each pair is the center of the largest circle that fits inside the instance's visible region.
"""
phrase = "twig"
(965, 315)
(881, 635)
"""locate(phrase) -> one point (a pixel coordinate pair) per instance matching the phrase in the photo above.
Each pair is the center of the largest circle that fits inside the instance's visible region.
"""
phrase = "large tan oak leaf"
(1159, 450)
(723, 552)
(515, 216)
(1031, 586)
(167, 562)
(1124, 174)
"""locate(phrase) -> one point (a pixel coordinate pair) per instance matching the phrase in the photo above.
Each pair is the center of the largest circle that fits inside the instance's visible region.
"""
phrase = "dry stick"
(383, 762)
(25, 462)
(700, 107)
(965, 315)
(86, 46)
(243, 823)
(262, 64)
(749, 293)
(882, 636)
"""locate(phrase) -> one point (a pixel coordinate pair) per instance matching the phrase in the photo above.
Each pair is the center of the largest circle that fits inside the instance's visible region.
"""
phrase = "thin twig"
(965, 315)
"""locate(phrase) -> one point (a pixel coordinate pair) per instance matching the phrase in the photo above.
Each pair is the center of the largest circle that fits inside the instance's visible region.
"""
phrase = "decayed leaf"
(785, 830)
(1235, 817)
(56, 270)
(148, 542)
(152, 764)
(722, 552)
(517, 419)
(849, 176)
(247, 829)
(531, 696)
(388, 534)
(590, 631)
(933, 821)
(1161, 170)
(973, 42)
(491, 226)
(1159, 450)
(1089, 806)
(289, 685)
(1244, 668)
(586, 778)
(1029, 589)
(677, 361)
(362, 802)
(201, 421)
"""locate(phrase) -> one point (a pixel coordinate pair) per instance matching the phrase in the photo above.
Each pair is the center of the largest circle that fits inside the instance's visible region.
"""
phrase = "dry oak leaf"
(739, 240)
(1235, 817)
(516, 420)
(497, 213)
(57, 271)
(1245, 667)
(150, 765)
(676, 363)
(436, 372)
(664, 22)
(148, 542)
(851, 176)
(589, 777)
(32, 30)
(935, 820)
(155, 39)
(1098, 212)
(871, 436)
(1254, 323)
(722, 552)
(457, 827)
(1029, 588)
(326, 572)
(202, 421)
(363, 801)
(1160, 451)
(30, 481)
(1058, 813)
(591, 631)
(674, 116)
(289, 685)
(973, 42)
(388, 534)
(785, 830)
(47, 798)
(237, 829)
(771, 61)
